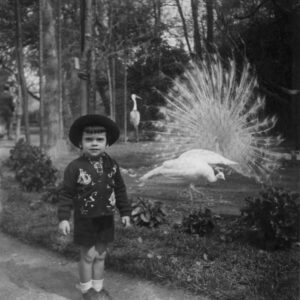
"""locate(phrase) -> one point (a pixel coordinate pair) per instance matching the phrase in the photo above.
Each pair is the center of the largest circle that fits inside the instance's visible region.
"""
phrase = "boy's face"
(93, 144)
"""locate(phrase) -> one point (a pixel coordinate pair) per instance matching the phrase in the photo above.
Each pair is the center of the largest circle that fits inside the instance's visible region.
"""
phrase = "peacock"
(192, 167)
(215, 106)
(214, 116)
(134, 116)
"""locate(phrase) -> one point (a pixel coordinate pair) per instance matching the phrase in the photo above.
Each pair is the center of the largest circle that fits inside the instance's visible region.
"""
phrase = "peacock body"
(134, 116)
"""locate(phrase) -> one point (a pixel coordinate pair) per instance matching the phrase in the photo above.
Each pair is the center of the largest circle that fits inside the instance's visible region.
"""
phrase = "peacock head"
(220, 175)
(134, 97)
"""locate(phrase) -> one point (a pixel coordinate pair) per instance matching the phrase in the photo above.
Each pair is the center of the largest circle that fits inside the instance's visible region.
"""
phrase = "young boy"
(93, 186)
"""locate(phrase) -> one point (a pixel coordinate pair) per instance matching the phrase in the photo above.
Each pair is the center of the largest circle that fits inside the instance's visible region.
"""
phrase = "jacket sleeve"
(67, 194)
(122, 202)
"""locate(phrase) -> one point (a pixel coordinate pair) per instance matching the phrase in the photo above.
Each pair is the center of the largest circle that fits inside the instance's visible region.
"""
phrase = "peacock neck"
(134, 104)
(213, 179)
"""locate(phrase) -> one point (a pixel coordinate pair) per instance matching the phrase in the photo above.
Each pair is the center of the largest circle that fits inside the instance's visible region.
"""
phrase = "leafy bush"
(33, 168)
(51, 194)
(272, 220)
(148, 213)
(198, 222)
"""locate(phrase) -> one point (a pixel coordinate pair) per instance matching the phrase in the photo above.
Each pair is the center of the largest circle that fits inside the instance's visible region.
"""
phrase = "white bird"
(192, 167)
(208, 156)
(135, 116)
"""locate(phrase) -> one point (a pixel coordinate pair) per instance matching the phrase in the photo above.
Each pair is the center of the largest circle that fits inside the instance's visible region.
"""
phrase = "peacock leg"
(198, 191)
(137, 134)
(191, 195)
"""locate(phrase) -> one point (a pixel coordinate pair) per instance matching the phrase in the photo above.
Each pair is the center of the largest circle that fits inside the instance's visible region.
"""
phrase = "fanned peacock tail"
(217, 108)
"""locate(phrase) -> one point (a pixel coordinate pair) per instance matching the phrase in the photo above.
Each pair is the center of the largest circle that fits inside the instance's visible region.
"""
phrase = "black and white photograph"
(149, 149)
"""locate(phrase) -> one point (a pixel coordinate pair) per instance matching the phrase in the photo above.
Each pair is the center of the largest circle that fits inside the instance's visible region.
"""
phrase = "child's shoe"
(103, 295)
(90, 295)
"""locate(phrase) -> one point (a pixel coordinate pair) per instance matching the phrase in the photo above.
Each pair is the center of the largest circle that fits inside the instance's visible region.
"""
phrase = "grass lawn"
(216, 266)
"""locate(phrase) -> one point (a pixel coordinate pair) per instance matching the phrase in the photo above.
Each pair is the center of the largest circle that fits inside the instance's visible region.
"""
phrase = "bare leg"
(85, 265)
(98, 266)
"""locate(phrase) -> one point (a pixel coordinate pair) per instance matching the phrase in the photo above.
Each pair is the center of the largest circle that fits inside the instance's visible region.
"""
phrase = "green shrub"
(33, 168)
(272, 219)
(198, 222)
(148, 213)
(51, 194)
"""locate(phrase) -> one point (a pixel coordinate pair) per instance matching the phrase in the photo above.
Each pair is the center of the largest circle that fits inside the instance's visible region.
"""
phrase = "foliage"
(198, 222)
(263, 33)
(51, 194)
(154, 69)
(232, 271)
(148, 213)
(33, 168)
(273, 219)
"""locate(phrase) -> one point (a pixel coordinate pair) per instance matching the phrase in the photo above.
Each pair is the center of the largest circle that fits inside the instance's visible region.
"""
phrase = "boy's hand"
(126, 221)
(64, 227)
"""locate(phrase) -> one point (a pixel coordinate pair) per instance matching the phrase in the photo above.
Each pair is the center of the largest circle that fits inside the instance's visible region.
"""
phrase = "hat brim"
(76, 129)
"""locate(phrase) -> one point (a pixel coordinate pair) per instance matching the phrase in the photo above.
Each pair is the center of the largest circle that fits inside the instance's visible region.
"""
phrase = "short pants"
(90, 231)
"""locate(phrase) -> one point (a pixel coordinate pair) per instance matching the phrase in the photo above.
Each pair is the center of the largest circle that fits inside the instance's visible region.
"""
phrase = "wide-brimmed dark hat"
(76, 129)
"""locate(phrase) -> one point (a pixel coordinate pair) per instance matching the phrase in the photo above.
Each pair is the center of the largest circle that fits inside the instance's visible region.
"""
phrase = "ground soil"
(28, 272)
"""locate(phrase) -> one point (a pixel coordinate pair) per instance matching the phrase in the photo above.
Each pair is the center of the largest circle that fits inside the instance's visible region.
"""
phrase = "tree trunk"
(157, 17)
(41, 69)
(59, 71)
(20, 64)
(113, 81)
(185, 32)
(111, 57)
(296, 76)
(110, 90)
(86, 42)
(125, 99)
(92, 64)
(210, 25)
(51, 102)
(19, 113)
(197, 38)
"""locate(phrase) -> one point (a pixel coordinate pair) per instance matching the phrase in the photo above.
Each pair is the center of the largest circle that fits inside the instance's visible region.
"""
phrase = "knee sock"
(97, 285)
(84, 287)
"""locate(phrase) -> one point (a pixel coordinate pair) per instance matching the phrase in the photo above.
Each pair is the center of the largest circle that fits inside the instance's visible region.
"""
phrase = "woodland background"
(75, 57)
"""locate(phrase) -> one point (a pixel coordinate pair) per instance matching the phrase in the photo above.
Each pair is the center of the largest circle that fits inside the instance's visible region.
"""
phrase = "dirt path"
(32, 273)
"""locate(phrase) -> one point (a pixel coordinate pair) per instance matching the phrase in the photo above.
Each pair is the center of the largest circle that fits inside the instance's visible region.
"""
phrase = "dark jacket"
(89, 191)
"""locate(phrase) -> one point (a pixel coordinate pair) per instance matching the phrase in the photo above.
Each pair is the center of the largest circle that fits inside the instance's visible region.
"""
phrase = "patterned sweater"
(87, 187)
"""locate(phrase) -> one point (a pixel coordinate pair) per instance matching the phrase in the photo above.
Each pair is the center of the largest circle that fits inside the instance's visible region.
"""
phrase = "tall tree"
(112, 20)
(185, 31)
(20, 64)
(86, 46)
(210, 25)
(197, 37)
(51, 116)
(157, 17)
(296, 74)
(59, 69)
(41, 72)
